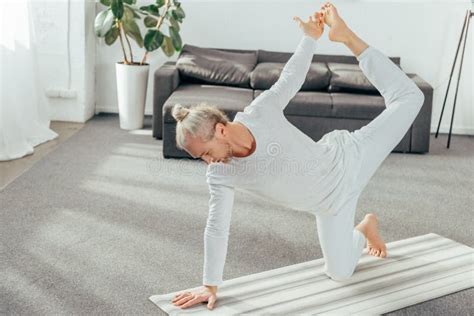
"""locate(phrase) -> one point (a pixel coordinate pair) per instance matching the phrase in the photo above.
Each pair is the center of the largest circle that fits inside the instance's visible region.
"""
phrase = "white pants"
(341, 243)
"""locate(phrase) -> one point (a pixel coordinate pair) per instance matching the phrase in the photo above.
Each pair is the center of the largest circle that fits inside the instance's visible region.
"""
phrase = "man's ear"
(220, 129)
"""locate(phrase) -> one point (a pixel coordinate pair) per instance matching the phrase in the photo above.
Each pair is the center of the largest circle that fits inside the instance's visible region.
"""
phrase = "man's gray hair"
(196, 121)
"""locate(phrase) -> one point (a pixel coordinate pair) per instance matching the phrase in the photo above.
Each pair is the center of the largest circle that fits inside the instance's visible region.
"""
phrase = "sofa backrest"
(336, 77)
(283, 57)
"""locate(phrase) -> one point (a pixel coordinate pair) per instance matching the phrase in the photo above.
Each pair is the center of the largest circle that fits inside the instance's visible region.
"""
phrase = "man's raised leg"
(403, 99)
(377, 139)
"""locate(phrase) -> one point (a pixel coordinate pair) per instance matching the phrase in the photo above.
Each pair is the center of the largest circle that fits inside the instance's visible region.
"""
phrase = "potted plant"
(119, 21)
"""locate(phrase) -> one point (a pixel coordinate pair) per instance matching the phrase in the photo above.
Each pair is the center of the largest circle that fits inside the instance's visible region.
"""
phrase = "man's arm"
(291, 78)
(216, 234)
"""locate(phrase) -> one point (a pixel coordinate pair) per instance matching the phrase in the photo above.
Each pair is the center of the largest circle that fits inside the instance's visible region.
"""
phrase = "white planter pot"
(132, 82)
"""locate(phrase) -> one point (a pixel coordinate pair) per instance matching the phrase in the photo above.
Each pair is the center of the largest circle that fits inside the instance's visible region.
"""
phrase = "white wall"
(423, 33)
(50, 20)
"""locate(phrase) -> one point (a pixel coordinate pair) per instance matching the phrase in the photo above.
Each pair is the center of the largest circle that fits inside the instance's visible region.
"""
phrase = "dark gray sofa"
(313, 112)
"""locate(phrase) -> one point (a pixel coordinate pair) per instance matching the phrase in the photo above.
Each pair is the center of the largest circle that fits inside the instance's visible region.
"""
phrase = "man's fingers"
(184, 299)
(179, 296)
(195, 300)
(297, 19)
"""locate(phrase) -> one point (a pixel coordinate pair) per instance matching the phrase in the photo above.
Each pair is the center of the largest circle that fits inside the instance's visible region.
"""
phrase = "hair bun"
(179, 112)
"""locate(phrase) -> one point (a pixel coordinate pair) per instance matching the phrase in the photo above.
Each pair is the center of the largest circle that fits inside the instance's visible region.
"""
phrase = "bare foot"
(339, 32)
(369, 227)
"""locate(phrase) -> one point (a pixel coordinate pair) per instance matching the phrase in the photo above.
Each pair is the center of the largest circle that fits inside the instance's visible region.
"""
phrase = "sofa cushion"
(206, 65)
(349, 78)
(334, 105)
(307, 103)
(266, 74)
(229, 99)
(356, 106)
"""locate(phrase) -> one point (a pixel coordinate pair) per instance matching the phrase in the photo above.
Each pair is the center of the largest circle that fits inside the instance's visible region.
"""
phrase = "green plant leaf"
(111, 35)
(175, 38)
(176, 15)
(130, 1)
(180, 12)
(131, 28)
(135, 10)
(167, 46)
(160, 3)
(127, 14)
(117, 8)
(103, 22)
(150, 21)
(152, 9)
(105, 2)
(174, 24)
(173, 15)
(153, 40)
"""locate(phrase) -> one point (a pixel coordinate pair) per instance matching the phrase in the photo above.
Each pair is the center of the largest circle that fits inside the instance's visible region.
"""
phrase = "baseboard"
(113, 109)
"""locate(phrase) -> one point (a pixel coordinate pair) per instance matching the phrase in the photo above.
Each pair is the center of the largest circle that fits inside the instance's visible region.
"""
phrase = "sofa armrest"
(166, 80)
(421, 128)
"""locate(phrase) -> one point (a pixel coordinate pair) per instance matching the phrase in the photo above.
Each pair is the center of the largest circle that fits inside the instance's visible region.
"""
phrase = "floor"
(10, 170)
(112, 223)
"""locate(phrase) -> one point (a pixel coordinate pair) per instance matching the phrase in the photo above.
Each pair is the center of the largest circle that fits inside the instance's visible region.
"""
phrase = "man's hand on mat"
(314, 27)
(190, 298)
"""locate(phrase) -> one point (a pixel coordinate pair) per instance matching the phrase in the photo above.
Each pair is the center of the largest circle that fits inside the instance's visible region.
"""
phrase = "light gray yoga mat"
(416, 269)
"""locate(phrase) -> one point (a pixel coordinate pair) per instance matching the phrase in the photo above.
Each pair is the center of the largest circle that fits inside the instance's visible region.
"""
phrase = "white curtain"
(24, 113)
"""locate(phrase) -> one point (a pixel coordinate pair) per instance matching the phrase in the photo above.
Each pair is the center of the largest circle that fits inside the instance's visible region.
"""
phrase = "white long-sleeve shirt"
(287, 167)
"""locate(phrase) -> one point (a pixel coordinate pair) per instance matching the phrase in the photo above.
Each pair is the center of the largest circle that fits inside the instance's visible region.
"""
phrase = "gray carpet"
(415, 270)
(103, 222)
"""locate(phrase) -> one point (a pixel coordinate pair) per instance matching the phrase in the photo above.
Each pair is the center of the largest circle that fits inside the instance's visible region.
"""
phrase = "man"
(255, 150)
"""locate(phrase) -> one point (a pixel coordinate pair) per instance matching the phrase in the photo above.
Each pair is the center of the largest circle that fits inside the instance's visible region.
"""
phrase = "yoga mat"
(415, 270)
